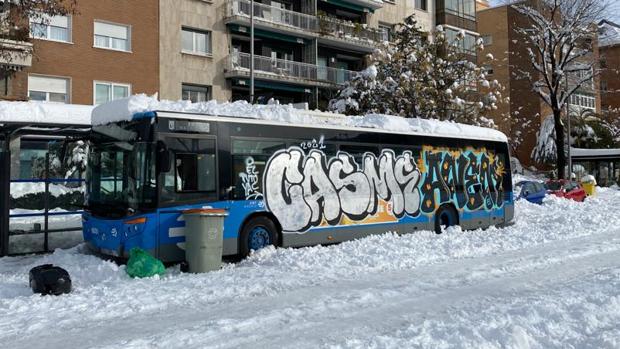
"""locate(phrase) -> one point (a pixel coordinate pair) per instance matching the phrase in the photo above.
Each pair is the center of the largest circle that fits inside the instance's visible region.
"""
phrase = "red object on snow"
(566, 189)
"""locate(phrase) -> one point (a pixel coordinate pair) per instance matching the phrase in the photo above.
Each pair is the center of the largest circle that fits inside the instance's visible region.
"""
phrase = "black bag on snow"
(49, 279)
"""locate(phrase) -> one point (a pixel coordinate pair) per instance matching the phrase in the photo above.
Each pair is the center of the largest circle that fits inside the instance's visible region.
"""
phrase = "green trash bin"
(204, 235)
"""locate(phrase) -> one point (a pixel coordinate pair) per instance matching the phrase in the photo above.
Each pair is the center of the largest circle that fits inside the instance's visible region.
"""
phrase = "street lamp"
(252, 52)
(570, 159)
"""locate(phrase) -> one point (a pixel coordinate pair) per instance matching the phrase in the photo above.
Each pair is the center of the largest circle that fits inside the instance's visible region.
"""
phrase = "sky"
(614, 13)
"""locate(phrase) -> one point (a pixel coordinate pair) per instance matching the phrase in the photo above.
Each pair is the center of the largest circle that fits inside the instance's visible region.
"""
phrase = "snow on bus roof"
(35, 112)
(128, 108)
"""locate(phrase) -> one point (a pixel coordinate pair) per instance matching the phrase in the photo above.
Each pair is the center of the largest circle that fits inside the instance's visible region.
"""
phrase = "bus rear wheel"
(257, 233)
(445, 217)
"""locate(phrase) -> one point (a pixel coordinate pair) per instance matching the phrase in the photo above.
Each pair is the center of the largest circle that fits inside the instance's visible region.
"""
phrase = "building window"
(466, 45)
(583, 101)
(421, 5)
(604, 85)
(487, 40)
(489, 69)
(56, 28)
(196, 41)
(461, 8)
(109, 91)
(48, 89)
(386, 31)
(112, 36)
(195, 93)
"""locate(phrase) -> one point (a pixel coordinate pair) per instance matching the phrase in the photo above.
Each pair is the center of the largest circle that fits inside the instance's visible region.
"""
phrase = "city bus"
(284, 184)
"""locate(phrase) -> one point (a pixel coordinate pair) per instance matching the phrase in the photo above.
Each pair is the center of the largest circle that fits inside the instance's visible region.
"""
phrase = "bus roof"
(141, 106)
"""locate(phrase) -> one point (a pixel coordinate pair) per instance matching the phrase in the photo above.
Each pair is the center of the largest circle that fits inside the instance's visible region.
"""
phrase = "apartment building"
(109, 49)
(525, 111)
(609, 34)
(304, 50)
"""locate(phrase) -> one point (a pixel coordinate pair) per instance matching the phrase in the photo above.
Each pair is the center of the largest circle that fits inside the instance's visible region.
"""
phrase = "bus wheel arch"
(256, 229)
(446, 215)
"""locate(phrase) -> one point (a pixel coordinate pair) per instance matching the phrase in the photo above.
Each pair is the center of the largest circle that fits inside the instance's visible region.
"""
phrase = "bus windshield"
(121, 178)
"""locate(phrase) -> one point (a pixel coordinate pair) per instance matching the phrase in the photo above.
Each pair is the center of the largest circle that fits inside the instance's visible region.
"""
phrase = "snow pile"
(44, 112)
(548, 281)
(125, 109)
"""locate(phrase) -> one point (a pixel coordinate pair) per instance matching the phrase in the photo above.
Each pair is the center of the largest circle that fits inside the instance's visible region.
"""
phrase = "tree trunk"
(559, 143)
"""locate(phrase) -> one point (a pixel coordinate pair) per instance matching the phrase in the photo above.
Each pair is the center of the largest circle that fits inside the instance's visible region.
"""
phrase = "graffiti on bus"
(305, 190)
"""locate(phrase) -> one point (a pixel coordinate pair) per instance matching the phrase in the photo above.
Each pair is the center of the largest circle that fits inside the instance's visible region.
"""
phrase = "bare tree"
(16, 17)
(559, 39)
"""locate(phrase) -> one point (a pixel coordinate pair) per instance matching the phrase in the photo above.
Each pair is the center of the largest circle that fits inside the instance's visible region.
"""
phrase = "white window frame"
(111, 84)
(583, 101)
(109, 47)
(208, 88)
(47, 93)
(415, 5)
(194, 31)
(48, 26)
(487, 40)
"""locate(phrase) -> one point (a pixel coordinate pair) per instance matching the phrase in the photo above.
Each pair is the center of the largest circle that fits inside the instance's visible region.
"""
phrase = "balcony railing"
(348, 30)
(290, 69)
(273, 14)
(312, 25)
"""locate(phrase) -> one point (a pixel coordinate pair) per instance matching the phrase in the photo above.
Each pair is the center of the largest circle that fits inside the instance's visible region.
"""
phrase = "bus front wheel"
(259, 232)
(445, 217)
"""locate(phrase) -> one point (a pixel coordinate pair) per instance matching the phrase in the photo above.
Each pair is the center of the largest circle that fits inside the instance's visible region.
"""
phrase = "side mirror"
(163, 157)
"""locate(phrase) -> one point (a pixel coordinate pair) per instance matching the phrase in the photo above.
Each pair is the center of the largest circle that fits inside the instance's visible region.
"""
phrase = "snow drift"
(125, 109)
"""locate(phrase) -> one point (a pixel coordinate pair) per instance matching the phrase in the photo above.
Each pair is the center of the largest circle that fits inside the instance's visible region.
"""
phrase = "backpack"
(49, 279)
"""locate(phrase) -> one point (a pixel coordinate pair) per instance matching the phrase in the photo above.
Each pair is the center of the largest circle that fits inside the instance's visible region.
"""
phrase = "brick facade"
(610, 77)
(526, 109)
(82, 63)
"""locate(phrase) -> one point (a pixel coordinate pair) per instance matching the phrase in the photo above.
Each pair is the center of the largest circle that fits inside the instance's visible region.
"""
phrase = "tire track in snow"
(327, 314)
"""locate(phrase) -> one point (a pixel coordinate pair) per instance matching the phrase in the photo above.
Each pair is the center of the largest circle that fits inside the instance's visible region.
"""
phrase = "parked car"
(566, 189)
(532, 191)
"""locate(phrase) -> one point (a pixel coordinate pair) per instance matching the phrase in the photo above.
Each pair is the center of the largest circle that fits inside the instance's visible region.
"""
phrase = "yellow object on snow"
(589, 185)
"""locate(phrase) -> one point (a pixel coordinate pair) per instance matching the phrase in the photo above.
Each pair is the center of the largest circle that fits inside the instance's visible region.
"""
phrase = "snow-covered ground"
(550, 281)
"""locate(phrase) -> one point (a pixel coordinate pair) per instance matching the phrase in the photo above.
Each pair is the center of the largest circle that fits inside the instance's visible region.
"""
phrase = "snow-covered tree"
(66, 160)
(415, 75)
(546, 149)
(559, 40)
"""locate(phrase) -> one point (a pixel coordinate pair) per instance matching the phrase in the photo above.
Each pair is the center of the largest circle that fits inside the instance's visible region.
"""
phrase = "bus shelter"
(30, 183)
(603, 164)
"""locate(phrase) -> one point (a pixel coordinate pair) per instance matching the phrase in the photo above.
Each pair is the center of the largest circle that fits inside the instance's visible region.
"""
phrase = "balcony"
(352, 35)
(366, 5)
(269, 17)
(267, 68)
(15, 54)
(328, 30)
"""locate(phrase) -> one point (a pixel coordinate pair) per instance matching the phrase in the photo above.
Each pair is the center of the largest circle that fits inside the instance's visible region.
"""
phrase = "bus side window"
(399, 150)
(358, 151)
(249, 159)
(193, 172)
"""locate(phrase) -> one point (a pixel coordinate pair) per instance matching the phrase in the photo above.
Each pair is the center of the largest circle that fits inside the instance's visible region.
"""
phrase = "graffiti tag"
(314, 144)
(308, 190)
(249, 180)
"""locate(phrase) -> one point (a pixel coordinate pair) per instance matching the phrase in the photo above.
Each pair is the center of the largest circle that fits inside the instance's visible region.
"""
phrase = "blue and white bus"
(284, 184)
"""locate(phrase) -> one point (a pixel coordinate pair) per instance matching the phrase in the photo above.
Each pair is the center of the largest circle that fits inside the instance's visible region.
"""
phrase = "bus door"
(501, 192)
(481, 217)
(191, 181)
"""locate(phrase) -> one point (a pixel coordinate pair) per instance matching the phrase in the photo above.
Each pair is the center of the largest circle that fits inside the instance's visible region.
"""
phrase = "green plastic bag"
(141, 264)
